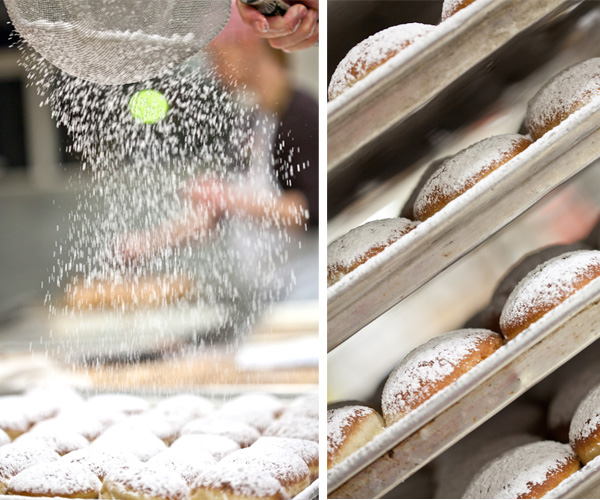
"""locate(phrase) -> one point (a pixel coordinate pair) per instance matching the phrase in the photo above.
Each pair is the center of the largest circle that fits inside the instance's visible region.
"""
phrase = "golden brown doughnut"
(55, 479)
(15, 458)
(305, 449)
(144, 482)
(355, 248)
(462, 171)
(348, 429)
(562, 95)
(433, 366)
(529, 471)
(128, 295)
(584, 433)
(451, 7)
(372, 53)
(546, 287)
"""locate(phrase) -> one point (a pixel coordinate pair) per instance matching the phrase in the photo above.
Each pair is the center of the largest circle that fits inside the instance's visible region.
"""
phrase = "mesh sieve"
(115, 42)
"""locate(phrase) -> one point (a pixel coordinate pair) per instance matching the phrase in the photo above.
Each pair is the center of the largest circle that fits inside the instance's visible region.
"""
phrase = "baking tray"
(358, 119)
(464, 223)
(585, 483)
(408, 445)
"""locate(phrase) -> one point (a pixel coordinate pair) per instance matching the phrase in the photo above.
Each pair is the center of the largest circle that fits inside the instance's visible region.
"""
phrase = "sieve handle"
(269, 7)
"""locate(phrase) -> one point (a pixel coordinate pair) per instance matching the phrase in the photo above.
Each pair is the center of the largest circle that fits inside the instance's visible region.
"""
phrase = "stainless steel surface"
(435, 244)
(359, 119)
(411, 443)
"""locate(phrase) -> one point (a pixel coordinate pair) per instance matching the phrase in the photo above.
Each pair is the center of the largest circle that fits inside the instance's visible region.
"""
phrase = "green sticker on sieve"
(148, 106)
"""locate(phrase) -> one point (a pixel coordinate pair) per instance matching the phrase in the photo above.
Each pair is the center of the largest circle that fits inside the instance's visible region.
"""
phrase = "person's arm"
(298, 29)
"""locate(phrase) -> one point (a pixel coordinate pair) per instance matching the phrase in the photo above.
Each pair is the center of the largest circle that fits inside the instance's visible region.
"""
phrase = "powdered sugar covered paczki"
(432, 366)
(292, 426)
(238, 481)
(237, 430)
(562, 95)
(355, 247)
(158, 482)
(307, 450)
(463, 170)
(185, 407)
(529, 471)
(451, 7)
(305, 406)
(373, 52)
(217, 446)
(188, 463)
(142, 443)
(17, 457)
(545, 287)
(584, 433)
(287, 467)
(348, 429)
(62, 441)
(55, 479)
(258, 410)
(100, 462)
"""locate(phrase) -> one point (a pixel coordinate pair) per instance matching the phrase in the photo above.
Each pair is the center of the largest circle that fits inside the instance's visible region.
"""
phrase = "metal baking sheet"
(414, 441)
(464, 223)
(364, 113)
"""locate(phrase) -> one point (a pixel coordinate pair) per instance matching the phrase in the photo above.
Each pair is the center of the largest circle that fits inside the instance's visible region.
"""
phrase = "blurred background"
(39, 184)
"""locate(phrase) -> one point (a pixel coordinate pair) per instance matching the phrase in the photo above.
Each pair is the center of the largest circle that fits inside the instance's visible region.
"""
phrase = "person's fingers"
(252, 17)
(284, 25)
(305, 36)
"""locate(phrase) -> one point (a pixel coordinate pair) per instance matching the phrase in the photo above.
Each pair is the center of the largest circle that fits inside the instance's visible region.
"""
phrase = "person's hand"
(298, 29)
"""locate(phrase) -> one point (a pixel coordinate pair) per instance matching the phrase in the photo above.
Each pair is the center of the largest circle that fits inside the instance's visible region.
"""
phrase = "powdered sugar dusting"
(351, 248)
(283, 465)
(338, 422)
(514, 473)
(305, 449)
(54, 479)
(577, 84)
(62, 441)
(547, 285)
(188, 463)
(16, 457)
(459, 173)
(217, 446)
(586, 419)
(237, 430)
(450, 7)
(373, 52)
(427, 364)
(149, 480)
(100, 462)
(293, 426)
(244, 480)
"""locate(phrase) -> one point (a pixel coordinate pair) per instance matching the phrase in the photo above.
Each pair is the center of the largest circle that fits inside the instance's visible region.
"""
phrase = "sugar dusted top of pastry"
(154, 480)
(426, 365)
(187, 462)
(306, 406)
(450, 7)
(241, 432)
(243, 480)
(338, 421)
(577, 83)
(100, 461)
(258, 410)
(54, 479)
(282, 464)
(460, 172)
(217, 446)
(514, 473)
(294, 427)
(142, 443)
(548, 284)
(16, 457)
(60, 440)
(373, 52)
(190, 405)
(586, 419)
(305, 449)
(352, 247)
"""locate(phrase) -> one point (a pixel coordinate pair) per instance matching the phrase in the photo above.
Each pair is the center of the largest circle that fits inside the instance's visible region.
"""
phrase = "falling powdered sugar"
(516, 472)
(373, 52)
(547, 285)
